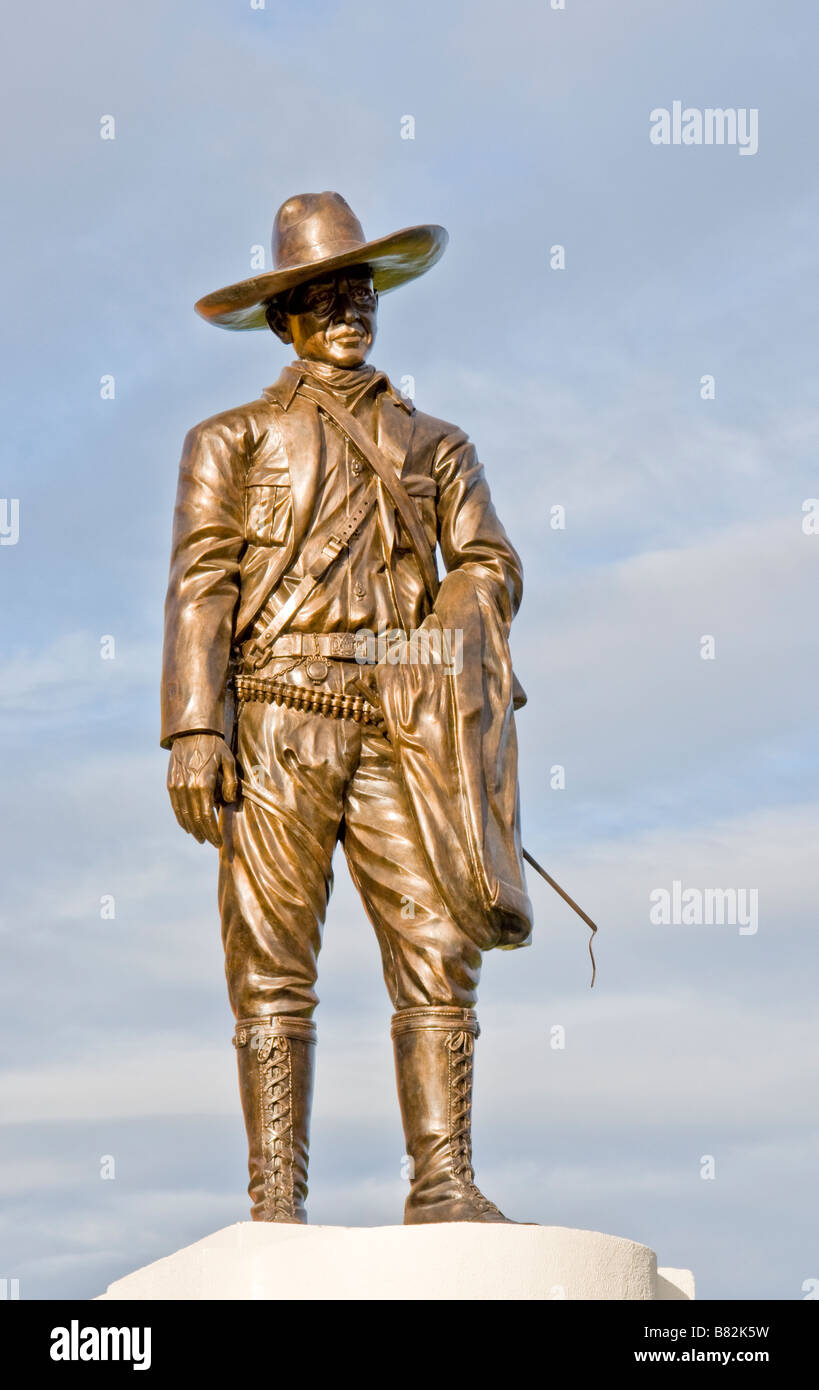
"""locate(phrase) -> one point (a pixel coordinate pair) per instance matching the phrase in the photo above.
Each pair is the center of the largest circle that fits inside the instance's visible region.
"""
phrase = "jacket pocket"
(268, 510)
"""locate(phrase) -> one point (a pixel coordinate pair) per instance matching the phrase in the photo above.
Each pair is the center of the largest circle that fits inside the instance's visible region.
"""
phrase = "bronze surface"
(303, 519)
(320, 230)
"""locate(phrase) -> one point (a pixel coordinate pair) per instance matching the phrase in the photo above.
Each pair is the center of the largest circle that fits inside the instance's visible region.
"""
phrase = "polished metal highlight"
(306, 520)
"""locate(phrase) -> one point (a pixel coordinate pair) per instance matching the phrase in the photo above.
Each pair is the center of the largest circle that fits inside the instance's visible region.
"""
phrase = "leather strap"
(323, 553)
(398, 494)
(338, 646)
(330, 546)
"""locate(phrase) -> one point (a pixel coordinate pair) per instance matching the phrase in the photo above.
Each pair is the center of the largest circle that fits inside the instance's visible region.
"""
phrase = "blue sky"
(580, 388)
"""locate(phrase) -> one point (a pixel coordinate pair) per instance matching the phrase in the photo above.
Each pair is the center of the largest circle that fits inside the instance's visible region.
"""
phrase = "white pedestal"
(261, 1260)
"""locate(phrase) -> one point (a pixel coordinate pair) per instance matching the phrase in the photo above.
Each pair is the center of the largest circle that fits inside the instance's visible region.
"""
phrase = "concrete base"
(261, 1260)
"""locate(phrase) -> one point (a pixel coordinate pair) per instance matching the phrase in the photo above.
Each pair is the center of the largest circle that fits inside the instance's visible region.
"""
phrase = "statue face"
(330, 320)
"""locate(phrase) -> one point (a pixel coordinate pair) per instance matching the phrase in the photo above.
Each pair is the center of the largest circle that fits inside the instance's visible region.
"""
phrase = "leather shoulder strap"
(384, 470)
(323, 553)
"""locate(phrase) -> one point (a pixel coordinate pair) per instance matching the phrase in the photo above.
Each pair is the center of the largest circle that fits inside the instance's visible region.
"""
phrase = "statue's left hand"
(201, 766)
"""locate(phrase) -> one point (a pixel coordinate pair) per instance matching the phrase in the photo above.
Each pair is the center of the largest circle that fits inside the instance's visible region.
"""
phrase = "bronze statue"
(321, 684)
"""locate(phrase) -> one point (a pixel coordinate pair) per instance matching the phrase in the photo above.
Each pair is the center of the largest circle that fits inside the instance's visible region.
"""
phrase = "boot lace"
(277, 1127)
(460, 1045)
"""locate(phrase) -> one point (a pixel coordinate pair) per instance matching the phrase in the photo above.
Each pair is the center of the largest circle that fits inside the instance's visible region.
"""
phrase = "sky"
(681, 1111)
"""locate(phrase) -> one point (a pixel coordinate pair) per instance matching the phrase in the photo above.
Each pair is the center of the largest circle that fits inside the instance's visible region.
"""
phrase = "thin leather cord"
(564, 895)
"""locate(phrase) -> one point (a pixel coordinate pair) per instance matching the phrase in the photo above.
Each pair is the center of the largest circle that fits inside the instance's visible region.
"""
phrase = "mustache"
(343, 330)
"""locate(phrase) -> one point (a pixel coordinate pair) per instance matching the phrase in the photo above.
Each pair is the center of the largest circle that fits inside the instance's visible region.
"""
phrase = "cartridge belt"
(272, 691)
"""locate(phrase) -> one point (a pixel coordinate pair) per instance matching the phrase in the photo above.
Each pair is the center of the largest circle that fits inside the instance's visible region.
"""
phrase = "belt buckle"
(316, 668)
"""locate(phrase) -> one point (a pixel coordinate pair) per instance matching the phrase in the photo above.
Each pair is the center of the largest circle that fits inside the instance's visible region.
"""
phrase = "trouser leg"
(274, 882)
(432, 971)
(427, 959)
(275, 869)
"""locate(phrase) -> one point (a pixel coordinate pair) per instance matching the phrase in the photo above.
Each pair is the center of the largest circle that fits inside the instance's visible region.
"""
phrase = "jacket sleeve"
(470, 535)
(203, 589)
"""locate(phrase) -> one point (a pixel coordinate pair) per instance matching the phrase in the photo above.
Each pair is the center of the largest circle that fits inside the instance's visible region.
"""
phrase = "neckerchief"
(350, 383)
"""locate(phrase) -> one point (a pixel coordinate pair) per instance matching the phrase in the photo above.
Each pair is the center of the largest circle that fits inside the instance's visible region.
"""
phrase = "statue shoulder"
(439, 436)
(240, 427)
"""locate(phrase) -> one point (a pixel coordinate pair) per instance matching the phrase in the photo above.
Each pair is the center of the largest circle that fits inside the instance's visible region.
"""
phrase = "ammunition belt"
(269, 690)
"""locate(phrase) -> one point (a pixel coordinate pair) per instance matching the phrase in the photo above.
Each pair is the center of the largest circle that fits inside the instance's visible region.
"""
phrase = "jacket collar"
(284, 389)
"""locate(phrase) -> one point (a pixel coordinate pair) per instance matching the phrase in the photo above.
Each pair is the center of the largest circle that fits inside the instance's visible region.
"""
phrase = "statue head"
(331, 319)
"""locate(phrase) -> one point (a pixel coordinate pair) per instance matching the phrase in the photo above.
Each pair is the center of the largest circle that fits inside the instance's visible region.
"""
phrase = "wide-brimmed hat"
(314, 234)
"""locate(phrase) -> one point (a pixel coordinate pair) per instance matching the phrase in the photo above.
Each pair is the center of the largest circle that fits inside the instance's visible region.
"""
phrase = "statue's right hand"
(200, 765)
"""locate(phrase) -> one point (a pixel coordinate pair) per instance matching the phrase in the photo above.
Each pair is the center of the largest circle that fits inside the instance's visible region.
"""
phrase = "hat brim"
(393, 261)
